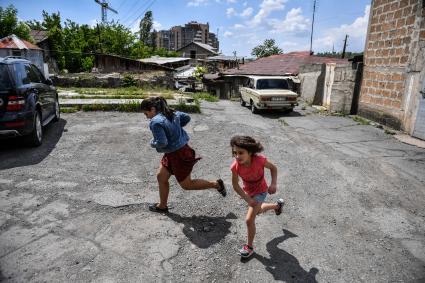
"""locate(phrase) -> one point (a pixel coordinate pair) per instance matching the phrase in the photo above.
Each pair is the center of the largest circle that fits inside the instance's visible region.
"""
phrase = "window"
(38, 73)
(16, 53)
(4, 78)
(193, 54)
(32, 74)
(272, 84)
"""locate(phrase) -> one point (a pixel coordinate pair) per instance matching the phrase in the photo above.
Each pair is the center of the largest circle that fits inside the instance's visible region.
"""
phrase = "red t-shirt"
(253, 175)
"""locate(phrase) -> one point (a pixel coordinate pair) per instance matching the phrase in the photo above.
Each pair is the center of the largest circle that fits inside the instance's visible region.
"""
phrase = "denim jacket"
(169, 136)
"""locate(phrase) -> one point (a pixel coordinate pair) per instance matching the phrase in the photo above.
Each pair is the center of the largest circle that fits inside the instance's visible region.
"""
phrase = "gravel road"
(75, 209)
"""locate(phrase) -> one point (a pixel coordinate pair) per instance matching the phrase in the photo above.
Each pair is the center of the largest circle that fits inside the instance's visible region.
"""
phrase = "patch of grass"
(104, 97)
(360, 120)
(107, 91)
(389, 132)
(205, 96)
(134, 106)
(69, 109)
(188, 108)
(339, 114)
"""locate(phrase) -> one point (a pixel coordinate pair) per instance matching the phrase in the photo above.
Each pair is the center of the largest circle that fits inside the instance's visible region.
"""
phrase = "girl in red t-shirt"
(250, 167)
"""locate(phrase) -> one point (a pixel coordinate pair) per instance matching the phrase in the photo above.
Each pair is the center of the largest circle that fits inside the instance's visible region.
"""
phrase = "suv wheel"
(57, 111)
(254, 109)
(36, 136)
(242, 102)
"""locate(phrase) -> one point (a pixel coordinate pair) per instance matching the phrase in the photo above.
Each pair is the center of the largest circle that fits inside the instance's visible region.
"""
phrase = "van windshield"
(4, 78)
(272, 84)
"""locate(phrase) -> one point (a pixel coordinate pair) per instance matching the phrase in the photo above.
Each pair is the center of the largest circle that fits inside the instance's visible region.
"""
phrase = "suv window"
(25, 74)
(38, 73)
(5, 82)
(272, 84)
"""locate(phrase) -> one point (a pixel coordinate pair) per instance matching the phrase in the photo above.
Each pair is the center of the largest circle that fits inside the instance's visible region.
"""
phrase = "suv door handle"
(34, 90)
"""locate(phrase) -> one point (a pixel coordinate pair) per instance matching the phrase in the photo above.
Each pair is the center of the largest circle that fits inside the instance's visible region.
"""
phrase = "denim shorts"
(260, 197)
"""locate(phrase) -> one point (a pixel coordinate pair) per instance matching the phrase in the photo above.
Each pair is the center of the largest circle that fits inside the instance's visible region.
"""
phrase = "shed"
(196, 50)
(14, 46)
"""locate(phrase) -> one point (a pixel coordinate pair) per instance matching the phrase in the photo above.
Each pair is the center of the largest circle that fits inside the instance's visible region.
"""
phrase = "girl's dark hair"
(160, 105)
(248, 143)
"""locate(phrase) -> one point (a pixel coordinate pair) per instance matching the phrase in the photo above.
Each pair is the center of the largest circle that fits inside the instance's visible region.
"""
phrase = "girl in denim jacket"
(170, 138)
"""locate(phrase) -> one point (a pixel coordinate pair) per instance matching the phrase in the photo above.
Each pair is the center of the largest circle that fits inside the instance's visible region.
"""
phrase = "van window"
(4, 78)
(272, 84)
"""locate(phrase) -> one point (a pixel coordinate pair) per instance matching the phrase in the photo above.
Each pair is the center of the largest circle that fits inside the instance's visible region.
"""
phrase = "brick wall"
(395, 29)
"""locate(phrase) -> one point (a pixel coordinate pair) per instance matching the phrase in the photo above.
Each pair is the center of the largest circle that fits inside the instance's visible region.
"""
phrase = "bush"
(128, 81)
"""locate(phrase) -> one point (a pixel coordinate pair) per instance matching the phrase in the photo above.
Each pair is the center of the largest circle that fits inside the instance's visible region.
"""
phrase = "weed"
(281, 120)
(205, 96)
(69, 109)
(389, 132)
(360, 120)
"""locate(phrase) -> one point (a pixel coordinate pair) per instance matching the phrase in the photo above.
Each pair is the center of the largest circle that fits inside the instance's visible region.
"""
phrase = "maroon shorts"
(180, 162)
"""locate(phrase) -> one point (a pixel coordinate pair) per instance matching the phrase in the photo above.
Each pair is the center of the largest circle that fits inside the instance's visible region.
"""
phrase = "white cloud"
(156, 25)
(245, 4)
(228, 33)
(238, 26)
(247, 12)
(230, 12)
(293, 22)
(196, 3)
(231, 1)
(356, 34)
(266, 8)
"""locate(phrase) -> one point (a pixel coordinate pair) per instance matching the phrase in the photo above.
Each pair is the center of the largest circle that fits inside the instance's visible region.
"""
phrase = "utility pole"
(345, 46)
(312, 25)
(105, 6)
(100, 39)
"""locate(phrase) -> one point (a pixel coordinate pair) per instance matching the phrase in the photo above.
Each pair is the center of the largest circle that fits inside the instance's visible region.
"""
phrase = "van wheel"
(36, 136)
(254, 109)
(242, 102)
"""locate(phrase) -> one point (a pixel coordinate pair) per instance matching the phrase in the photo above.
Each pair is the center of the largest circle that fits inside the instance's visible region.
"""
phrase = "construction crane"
(104, 6)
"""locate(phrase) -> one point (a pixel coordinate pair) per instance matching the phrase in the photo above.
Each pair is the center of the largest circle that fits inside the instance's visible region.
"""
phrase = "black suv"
(28, 101)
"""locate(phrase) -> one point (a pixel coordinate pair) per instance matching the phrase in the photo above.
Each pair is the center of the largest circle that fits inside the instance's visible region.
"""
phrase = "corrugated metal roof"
(39, 35)
(224, 58)
(14, 42)
(282, 64)
(202, 45)
(163, 60)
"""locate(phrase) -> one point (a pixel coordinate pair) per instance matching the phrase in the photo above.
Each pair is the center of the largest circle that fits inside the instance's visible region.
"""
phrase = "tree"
(52, 23)
(9, 24)
(145, 28)
(266, 49)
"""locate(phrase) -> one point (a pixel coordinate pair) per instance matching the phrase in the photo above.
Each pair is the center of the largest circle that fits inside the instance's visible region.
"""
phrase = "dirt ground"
(75, 209)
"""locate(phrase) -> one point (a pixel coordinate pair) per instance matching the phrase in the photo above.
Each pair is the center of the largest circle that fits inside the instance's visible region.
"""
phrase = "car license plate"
(278, 98)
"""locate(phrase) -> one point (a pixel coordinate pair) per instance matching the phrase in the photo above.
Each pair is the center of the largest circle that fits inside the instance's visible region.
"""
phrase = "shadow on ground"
(204, 231)
(282, 265)
(14, 152)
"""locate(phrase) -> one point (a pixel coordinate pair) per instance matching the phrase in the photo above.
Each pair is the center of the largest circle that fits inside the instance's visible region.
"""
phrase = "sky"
(240, 24)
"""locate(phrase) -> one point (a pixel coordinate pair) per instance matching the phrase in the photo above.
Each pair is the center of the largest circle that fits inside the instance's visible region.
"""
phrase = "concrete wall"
(394, 62)
(341, 96)
(309, 77)
(329, 85)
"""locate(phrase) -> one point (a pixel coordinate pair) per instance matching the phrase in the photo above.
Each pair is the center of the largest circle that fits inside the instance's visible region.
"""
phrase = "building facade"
(393, 85)
(180, 36)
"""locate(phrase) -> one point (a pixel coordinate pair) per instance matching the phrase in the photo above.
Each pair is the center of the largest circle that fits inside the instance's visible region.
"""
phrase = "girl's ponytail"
(160, 105)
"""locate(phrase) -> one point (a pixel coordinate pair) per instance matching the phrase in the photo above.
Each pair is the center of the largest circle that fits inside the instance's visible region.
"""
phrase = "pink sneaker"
(246, 251)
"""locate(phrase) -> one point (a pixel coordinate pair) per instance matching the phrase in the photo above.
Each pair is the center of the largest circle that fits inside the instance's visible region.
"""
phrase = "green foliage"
(205, 96)
(188, 108)
(145, 27)
(360, 120)
(266, 49)
(348, 55)
(128, 81)
(199, 72)
(9, 24)
(69, 109)
(87, 63)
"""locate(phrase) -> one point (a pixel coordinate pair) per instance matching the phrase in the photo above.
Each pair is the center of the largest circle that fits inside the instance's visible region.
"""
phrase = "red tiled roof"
(282, 64)
(14, 42)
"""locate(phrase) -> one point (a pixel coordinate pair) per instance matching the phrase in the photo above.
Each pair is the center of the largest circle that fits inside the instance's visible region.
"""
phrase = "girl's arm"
(239, 191)
(273, 172)
(184, 119)
(159, 138)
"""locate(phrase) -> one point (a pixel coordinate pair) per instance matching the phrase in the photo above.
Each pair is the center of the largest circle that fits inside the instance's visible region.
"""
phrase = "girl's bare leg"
(163, 176)
(197, 184)
(250, 222)
(267, 206)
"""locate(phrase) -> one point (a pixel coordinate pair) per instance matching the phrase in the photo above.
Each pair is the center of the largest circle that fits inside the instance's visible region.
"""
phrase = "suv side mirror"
(49, 81)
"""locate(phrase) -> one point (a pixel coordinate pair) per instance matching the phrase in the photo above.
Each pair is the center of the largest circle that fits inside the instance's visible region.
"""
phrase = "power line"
(144, 11)
(134, 12)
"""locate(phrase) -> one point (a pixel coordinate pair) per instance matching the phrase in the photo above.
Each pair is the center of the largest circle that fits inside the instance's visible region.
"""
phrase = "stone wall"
(309, 78)
(396, 30)
(343, 88)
